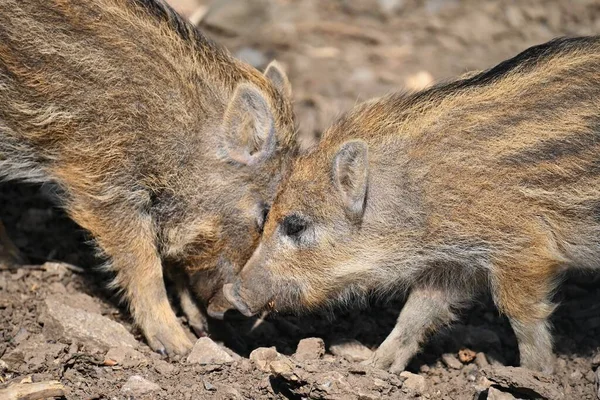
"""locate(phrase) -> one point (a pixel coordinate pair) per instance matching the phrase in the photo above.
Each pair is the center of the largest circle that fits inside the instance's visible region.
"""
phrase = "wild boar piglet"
(160, 144)
(489, 182)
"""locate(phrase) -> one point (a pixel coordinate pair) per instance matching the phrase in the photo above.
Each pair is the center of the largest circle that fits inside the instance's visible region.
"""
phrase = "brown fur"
(491, 180)
(160, 143)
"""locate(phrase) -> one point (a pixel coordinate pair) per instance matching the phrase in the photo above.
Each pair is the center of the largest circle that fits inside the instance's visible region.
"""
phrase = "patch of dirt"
(336, 53)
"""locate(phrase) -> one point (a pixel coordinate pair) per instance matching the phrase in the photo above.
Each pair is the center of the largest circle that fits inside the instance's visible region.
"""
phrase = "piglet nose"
(231, 292)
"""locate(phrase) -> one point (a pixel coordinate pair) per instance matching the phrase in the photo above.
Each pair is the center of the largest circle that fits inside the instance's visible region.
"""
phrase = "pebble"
(163, 367)
(87, 328)
(310, 349)
(350, 349)
(495, 394)
(263, 356)
(138, 386)
(451, 361)
(125, 357)
(481, 361)
(414, 383)
(466, 355)
(283, 368)
(206, 351)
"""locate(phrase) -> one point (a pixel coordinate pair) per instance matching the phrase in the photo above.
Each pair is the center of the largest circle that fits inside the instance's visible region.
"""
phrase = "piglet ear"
(248, 127)
(275, 73)
(350, 175)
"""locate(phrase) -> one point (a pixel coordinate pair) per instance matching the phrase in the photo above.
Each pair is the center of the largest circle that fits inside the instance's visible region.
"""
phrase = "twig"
(33, 391)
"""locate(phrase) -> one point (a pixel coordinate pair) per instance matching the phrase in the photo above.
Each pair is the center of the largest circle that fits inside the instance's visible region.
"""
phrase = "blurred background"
(339, 52)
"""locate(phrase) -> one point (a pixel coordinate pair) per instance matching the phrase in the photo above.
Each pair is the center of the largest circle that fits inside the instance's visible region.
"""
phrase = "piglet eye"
(293, 225)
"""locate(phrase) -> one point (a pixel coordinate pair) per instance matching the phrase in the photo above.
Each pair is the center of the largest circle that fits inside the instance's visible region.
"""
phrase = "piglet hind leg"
(194, 313)
(523, 294)
(128, 238)
(425, 311)
(10, 256)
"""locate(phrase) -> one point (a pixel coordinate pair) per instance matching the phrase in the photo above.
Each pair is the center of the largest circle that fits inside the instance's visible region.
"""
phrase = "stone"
(466, 355)
(481, 361)
(138, 386)
(163, 367)
(284, 368)
(350, 349)
(451, 361)
(33, 353)
(206, 351)
(310, 349)
(125, 357)
(524, 381)
(495, 394)
(413, 382)
(263, 356)
(92, 330)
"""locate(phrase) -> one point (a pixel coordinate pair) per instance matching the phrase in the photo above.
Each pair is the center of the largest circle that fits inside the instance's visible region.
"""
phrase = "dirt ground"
(56, 323)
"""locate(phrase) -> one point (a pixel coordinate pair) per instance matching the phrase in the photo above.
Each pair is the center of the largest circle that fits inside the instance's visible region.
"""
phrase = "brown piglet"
(160, 144)
(488, 182)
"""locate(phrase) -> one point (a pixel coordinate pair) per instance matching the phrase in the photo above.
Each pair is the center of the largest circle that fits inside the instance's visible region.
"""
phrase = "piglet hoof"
(171, 341)
(386, 361)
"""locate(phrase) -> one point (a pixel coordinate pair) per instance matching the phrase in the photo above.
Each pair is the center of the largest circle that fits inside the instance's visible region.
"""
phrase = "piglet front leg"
(426, 310)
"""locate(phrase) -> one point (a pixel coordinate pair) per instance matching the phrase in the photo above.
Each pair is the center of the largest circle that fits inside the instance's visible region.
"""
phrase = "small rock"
(3, 366)
(590, 376)
(310, 349)
(495, 394)
(21, 335)
(350, 349)
(138, 386)
(163, 367)
(481, 361)
(252, 56)
(522, 380)
(55, 269)
(209, 386)
(125, 357)
(414, 383)
(263, 357)
(283, 368)
(34, 352)
(576, 375)
(466, 356)
(206, 351)
(451, 361)
(596, 361)
(90, 329)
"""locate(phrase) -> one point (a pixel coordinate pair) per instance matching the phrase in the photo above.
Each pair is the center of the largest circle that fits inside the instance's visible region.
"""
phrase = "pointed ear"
(274, 73)
(350, 173)
(249, 127)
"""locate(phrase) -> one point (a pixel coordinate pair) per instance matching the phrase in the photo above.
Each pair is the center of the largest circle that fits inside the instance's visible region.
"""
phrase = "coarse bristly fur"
(491, 181)
(163, 146)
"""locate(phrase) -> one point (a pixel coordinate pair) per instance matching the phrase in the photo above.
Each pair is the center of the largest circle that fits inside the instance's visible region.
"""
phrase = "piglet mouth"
(232, 294)
(218, 306)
